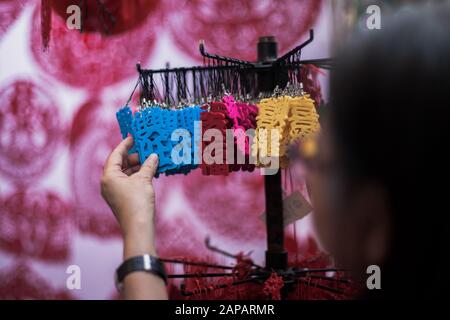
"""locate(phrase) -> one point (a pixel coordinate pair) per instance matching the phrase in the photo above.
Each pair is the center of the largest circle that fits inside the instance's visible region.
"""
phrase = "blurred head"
(382, 154)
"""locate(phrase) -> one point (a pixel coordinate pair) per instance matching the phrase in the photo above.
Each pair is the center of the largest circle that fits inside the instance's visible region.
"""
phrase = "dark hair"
(389, 94)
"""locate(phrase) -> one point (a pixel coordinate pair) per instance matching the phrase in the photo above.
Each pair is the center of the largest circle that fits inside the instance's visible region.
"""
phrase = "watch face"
(148, 262)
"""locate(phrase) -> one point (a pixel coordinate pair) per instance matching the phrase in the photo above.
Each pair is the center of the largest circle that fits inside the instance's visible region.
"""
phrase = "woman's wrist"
(139, 240)
(134, 248)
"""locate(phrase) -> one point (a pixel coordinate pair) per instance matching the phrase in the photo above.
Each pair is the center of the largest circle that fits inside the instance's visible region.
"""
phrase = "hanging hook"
(138, 67)
(297, 49)
(221, 58)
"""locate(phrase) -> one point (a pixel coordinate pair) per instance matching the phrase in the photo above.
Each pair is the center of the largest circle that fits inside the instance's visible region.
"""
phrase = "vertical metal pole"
(276, 256)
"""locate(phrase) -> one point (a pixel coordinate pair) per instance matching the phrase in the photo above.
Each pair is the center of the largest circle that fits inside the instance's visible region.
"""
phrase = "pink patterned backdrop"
(57, 125)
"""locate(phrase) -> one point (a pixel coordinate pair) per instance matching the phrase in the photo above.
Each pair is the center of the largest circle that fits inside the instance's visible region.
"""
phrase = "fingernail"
(154, 158)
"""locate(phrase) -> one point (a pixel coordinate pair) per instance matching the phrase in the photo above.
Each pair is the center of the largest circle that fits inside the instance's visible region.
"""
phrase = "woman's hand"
(127, 188)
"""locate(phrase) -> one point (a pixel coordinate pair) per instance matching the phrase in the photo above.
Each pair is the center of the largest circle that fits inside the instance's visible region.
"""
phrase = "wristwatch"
(145, 263)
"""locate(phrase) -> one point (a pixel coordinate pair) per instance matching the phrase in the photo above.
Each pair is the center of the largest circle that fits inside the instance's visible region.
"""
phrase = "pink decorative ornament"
(9, 11)
(232, 28)
(30, 131)
(92, 60)
(35, 224)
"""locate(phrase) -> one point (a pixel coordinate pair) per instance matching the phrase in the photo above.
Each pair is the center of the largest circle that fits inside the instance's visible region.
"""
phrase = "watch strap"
(146, 263)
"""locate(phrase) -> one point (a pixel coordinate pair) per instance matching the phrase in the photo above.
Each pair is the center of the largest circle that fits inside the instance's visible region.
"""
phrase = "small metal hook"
(276, 92)
(225, 92)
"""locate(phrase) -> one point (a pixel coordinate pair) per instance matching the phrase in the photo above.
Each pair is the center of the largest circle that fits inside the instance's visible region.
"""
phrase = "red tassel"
(46, 23)
(272, 286)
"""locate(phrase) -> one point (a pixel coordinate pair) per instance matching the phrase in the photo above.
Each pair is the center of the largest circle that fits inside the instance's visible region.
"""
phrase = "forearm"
(142, 285)
(130, 195)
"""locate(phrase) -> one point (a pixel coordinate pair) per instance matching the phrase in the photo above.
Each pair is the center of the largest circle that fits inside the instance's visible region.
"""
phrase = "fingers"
(132, 160)
(129, 171)
(148, 168)
(117, 156)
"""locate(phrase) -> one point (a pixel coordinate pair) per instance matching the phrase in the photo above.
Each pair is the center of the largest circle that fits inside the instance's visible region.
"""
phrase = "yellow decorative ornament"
(280, 122)
(303, 119)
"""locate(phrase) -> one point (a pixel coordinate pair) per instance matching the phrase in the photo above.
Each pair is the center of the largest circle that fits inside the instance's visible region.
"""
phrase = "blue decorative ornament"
(152, 130)
(125, 118)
